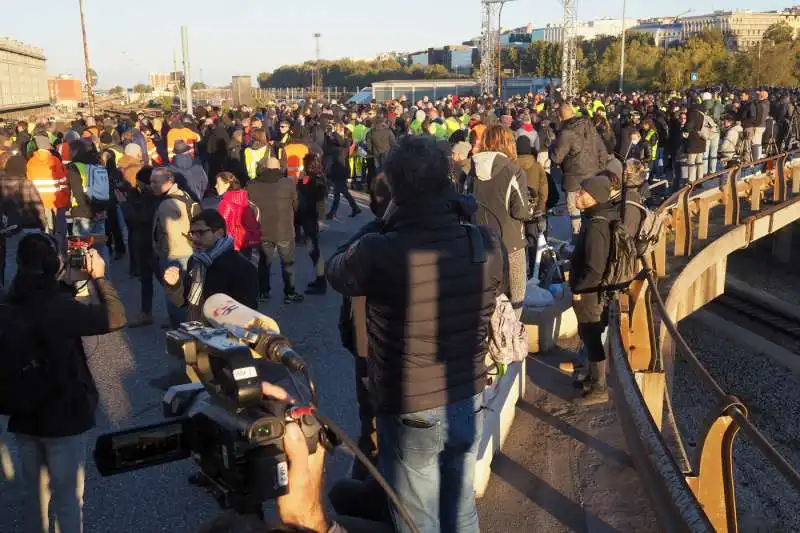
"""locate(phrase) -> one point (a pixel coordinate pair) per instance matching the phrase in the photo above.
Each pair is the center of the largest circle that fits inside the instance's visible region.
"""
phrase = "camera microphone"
(258, 330)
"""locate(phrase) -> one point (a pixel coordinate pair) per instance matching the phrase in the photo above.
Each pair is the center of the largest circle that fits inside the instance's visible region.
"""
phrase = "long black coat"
(71, 407)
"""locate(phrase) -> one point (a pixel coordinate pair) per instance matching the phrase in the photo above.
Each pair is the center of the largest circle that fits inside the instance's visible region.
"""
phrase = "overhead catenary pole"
(187, 72)
(87, 65)
(622, 51)
(316, 81)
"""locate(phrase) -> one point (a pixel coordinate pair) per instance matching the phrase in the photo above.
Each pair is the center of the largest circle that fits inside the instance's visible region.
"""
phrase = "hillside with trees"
(647, 66)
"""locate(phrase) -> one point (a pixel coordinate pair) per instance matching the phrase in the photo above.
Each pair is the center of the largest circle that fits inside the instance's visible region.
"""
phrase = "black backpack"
(621, 268)
(23, 373)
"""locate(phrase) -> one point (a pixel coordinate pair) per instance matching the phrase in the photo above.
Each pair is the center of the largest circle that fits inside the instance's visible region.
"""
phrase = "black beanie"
(598, 187)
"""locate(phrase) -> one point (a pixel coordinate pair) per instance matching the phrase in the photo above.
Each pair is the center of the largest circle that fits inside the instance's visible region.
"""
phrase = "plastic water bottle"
(541, 244)
(557, 290)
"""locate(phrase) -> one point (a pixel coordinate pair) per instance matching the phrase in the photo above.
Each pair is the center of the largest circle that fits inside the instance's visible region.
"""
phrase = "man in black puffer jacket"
(277, 200)
(580, 152)
(430, 285)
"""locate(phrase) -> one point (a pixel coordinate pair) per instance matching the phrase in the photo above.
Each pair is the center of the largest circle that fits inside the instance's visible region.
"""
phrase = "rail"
(688, 264)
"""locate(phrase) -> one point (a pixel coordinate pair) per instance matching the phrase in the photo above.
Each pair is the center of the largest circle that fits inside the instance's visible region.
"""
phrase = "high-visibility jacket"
(181, 134)
(117, 153)
(295, 153)
(651, 138)
(83, 171)
(359, 132)
(453, 125)
(65, 152)
(251, 159)
(415, 127)
(152, 152)
(48, 175)
(437, 130)
(465, 120)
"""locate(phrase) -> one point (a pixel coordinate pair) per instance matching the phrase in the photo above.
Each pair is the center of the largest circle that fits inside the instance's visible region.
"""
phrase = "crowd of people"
(202, 203)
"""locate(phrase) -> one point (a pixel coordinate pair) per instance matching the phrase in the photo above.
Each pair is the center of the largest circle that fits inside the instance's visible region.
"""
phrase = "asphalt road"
(160, 499)
(561, 470)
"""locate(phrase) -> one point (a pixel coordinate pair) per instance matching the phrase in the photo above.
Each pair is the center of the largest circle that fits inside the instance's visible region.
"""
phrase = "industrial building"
(65, 92)
(23, 77)
(166, 81)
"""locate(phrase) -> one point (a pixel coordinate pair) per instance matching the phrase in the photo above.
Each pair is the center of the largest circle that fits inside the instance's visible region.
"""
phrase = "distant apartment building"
(456, 58)
(663, 33)
(741, 28)
(65, 91)
(589, 29)
(166, 81)
(23, 75)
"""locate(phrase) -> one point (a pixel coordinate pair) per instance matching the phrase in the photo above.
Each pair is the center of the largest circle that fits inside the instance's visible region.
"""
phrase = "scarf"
(203, 260)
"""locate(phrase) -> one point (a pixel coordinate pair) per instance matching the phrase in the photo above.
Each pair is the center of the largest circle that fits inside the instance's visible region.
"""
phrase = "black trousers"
(310, 226)
(116, 243)
(340, 188)
(592, 317)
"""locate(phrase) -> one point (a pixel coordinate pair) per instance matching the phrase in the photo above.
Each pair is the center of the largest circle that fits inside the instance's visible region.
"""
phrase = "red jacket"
(240, 219)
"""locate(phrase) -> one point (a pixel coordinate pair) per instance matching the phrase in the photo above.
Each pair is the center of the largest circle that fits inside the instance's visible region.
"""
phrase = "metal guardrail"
(642, 343)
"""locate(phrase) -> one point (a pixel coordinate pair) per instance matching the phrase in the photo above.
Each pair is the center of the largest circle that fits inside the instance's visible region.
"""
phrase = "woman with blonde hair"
(500, 187)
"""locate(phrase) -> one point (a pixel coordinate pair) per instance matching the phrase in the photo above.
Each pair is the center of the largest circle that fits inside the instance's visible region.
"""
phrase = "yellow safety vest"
(251, 159)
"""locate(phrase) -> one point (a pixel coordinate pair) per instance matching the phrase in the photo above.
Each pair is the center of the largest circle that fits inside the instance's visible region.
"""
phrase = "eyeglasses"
(199, 232)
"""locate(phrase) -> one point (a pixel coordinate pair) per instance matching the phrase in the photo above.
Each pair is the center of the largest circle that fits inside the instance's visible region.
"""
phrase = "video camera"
(223, 422)
(78, 250)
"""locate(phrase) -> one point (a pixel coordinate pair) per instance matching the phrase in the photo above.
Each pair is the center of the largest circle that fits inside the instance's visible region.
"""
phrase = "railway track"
(761, 312)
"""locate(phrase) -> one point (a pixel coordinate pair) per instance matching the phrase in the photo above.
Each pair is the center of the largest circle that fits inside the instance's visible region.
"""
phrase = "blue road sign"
(694, 76)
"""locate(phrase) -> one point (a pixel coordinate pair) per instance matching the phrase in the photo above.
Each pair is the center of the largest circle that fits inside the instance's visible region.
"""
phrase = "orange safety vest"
(65, 152)
(50, 179)
(181, 134)
(295, 153)
(152, 152)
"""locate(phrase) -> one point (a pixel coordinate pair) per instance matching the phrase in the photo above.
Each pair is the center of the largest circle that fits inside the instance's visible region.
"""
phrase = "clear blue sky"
(129, 39)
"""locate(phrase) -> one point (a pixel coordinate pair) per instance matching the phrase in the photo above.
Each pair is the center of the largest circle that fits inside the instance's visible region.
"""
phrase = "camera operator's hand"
(172, 275)
(302, 506)
(95, 265)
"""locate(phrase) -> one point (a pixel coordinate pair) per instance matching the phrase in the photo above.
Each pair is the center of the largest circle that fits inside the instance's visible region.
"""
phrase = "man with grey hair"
(430, 284)
(170, 229)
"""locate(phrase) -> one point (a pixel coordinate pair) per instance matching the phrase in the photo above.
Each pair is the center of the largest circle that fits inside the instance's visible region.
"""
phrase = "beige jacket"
(171, 226)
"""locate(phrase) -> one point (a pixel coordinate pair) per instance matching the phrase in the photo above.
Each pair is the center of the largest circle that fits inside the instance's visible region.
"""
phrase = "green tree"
(142, 88)
(780, 32)
(263, 79)
(199, 85)
(93, 75)
(117, 90)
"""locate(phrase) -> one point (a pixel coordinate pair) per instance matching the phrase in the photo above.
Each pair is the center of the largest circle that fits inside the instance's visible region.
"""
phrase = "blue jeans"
(52, 472)
(428, 458)
(83, 227)
(710, 157)
(176, 314)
